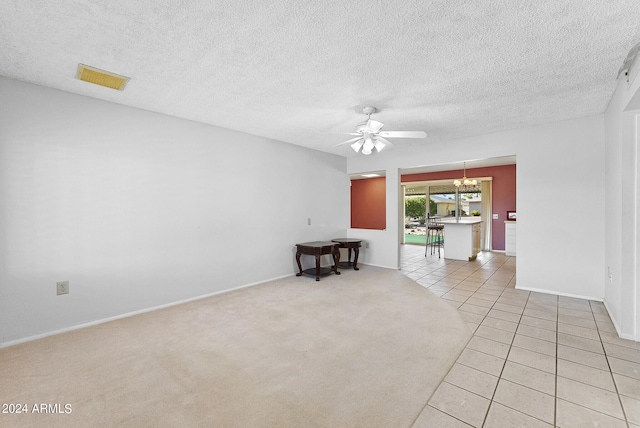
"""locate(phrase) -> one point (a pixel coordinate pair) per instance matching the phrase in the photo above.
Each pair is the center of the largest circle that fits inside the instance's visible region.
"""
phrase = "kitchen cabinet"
(510, 238)
(462, 238)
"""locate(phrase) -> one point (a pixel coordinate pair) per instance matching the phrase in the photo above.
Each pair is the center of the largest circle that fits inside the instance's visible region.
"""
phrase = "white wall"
(139, 210)
(622, 290)
(380, 243)
(559, 250)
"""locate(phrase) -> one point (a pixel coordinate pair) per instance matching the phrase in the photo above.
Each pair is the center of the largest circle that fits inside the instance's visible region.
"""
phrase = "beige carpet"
(363, 349)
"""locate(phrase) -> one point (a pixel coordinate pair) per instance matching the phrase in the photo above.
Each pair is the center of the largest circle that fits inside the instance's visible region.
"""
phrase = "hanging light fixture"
(368, 146)
(463, 185)
(370, 136)
(368, 143)
(465, 182)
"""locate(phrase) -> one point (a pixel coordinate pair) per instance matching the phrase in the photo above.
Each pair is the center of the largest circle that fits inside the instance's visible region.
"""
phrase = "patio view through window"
(441, 204)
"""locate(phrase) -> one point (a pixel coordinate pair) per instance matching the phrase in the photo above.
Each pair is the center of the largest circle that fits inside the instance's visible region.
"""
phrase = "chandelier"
(465, 184)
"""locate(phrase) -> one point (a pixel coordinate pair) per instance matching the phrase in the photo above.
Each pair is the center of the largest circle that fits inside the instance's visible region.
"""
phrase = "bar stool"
(435, 235)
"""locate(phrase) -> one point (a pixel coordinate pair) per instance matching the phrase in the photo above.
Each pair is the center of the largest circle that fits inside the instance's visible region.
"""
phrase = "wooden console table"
(350, 244)
(317, 249)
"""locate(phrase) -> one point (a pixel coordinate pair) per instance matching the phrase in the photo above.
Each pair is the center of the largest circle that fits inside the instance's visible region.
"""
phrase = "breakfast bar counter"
(461, 238)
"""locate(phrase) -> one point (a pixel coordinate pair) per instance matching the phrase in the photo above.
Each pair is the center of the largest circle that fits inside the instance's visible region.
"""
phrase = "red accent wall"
(369, 203)
(503, 192)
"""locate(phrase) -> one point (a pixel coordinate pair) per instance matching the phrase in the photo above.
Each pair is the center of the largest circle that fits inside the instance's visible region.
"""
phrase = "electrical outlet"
(62, 287)
(366, 244)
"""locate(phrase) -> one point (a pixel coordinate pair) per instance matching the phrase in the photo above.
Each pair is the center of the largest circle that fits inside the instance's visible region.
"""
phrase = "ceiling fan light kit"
(370, 135)
(357, 145)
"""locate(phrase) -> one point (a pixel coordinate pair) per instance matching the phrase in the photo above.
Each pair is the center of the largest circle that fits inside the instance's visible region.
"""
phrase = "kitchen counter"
(464, 220)
(461, 238)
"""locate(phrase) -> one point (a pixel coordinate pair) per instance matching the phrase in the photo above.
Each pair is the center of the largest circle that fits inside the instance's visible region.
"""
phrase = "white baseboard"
(555, 293)
(380, 266)
(617, 327)
(130, 314)
(596, 299)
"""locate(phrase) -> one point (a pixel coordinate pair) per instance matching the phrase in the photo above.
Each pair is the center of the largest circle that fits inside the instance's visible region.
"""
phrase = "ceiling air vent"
(101, 77)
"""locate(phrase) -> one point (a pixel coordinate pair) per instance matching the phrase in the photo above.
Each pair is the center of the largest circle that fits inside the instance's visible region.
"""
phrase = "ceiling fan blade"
(374, 126)
(404, 134)
(384, 140)
(349, 141)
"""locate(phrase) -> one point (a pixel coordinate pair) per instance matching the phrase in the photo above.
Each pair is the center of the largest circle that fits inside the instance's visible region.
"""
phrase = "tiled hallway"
(534, 359)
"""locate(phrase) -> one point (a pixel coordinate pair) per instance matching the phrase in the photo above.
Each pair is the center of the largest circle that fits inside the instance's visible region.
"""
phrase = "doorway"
(441, 199)
(415, 214)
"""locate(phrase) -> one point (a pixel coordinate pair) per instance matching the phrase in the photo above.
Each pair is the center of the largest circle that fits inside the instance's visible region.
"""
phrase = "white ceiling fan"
(370, 135)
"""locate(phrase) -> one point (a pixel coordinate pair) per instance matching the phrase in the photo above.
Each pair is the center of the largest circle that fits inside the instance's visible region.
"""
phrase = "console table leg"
(336, 261)
(355, 259)
(317, 267)
(298, 261)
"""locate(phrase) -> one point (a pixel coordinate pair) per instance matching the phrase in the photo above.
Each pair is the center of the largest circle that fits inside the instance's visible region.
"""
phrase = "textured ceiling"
(301, 71)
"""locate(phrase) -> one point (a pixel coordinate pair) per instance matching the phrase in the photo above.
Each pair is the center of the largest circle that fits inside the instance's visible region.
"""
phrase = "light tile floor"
(534, 359)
